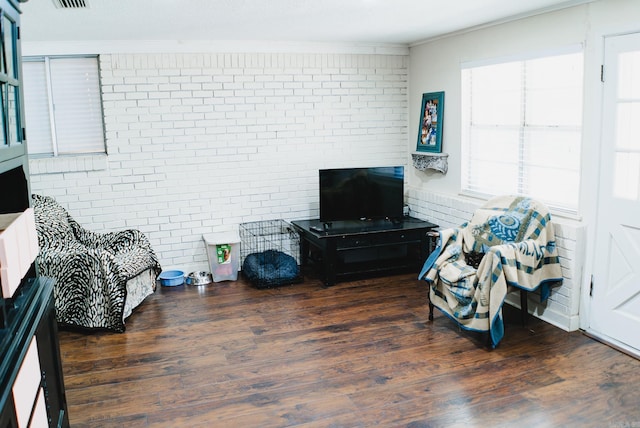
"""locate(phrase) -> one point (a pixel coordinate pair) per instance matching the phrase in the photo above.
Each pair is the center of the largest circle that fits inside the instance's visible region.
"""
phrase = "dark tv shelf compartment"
(353, 248)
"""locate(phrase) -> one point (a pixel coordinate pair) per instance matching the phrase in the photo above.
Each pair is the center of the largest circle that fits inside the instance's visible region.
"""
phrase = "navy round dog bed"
(270, 268)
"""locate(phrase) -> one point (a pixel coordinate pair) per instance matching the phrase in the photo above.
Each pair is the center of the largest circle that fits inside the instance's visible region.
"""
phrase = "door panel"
(615, 303)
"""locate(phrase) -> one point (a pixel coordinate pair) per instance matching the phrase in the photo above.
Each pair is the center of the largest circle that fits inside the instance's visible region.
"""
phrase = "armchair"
(100, 277)
(509, 242)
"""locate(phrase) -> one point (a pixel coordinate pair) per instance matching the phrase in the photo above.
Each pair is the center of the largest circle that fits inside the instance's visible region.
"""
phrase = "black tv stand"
(323, 226)
(350, 248)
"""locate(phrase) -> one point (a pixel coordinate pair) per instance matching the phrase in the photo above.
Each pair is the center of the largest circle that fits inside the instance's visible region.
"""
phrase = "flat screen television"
(361, 193)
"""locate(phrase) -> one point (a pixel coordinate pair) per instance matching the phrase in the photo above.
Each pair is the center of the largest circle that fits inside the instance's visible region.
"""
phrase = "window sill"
(62, 164)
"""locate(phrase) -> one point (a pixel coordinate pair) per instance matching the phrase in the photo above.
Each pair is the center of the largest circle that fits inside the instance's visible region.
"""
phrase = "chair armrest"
(527, 247)
(128, 250)
(127, 237)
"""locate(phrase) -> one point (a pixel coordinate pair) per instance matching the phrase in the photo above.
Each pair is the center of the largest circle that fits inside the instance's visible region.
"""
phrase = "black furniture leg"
(430, 305)
(524, 307)
(304, 253)
(329, 256)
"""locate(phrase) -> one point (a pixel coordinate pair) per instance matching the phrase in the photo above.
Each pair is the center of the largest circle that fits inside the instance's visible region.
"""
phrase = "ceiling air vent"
(71, 4)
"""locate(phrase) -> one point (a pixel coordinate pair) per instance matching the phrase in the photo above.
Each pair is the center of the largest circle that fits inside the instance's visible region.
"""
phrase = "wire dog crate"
(270, 253)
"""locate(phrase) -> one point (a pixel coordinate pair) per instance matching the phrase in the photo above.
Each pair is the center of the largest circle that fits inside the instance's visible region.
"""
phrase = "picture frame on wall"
(431, 120)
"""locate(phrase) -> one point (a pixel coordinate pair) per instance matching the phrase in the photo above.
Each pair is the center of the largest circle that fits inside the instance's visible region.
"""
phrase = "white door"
(615, 302)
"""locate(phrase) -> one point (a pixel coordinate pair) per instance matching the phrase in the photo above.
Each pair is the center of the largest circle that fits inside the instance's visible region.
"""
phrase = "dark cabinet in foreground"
(31, 372)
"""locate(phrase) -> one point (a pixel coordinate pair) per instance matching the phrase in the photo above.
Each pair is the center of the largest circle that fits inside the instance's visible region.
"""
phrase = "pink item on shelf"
(18, 249)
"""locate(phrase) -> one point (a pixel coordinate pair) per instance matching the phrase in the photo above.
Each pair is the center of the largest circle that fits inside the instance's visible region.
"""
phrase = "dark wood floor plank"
(359, 354)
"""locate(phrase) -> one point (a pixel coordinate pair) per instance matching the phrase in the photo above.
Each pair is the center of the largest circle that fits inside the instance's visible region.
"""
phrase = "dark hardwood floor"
(358, 354)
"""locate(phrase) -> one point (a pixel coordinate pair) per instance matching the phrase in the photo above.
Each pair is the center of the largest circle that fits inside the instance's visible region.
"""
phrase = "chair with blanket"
(509, 242)
(100, 277)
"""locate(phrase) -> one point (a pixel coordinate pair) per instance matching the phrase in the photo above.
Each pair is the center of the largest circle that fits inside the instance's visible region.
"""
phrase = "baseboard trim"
(567, 323)
(611, 342)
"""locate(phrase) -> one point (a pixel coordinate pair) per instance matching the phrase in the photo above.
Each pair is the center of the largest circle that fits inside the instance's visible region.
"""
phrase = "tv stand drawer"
(347, 242)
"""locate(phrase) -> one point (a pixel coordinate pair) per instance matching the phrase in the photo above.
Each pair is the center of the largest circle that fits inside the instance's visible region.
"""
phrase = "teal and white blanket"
(516, 237)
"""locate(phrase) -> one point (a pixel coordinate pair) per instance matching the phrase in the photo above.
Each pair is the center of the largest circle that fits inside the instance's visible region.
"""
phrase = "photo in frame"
(431, 120)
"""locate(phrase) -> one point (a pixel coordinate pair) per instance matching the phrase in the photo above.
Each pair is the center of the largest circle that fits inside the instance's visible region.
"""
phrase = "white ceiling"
(401, 22)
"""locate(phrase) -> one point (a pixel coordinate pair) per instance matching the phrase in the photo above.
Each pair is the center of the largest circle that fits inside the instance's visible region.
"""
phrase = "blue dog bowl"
(171, 278)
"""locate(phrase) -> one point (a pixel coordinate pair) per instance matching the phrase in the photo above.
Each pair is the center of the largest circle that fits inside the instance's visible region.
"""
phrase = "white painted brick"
(245, 133)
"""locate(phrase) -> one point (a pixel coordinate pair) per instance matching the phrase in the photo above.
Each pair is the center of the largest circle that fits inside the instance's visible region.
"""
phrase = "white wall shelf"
(436, 161)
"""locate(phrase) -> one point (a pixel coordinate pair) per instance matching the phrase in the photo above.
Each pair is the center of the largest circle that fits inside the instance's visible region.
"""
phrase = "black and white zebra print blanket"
(91, 269)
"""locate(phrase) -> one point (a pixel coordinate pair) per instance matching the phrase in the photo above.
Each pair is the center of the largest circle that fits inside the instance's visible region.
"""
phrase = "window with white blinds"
(63, 105)
(522, 128)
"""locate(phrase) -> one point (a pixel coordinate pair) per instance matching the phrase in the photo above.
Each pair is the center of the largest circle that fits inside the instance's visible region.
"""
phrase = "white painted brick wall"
(562, 306)
(199, 143)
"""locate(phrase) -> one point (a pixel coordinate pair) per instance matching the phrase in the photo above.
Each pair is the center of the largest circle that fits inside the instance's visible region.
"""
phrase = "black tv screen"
(361, 193)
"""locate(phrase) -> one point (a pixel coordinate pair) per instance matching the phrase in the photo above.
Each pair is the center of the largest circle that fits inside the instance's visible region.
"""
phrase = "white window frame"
(92, 134)
(523, 128)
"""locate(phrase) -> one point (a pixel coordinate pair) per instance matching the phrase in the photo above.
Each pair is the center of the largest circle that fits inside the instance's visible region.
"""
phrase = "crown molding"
(554, 8)
(93, 47)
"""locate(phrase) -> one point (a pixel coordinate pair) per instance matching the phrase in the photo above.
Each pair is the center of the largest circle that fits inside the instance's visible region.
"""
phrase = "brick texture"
(199, 143)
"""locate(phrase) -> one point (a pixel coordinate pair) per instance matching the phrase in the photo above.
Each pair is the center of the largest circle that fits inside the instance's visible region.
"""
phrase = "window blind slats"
(522, 128)
(76, 95)
(36, 108)
(76, 103)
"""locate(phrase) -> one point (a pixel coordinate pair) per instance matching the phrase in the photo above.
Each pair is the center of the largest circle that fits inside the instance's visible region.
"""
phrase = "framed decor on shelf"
(431, 120)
